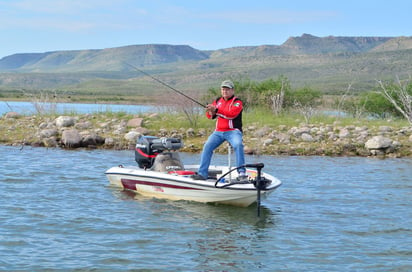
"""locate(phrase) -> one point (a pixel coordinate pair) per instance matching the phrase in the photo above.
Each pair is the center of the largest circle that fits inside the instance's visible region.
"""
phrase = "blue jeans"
(234, 137)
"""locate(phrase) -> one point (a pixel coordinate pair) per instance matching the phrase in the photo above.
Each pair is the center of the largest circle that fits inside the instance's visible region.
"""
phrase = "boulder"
(132, 136)
(92, 140)
(135, 122)
(268, 142)
(190, 132)
(43, 125)
(64, 121)
(283, 138)
(378, 142)
(47, 133)
(385, 129)
(306, 137)
(142, 130)
(49, 142)
(83, 125)
(248, 150)
(298, 131)
(71, 138)
(262, 132)
(109, 142)
(12, 115)
(344, 133)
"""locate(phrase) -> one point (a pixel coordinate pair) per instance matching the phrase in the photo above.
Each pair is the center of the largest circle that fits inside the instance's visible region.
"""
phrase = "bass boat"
(161, 174)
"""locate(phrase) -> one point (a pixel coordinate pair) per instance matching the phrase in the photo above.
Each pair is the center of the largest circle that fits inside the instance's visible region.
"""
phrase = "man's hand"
(211, 109)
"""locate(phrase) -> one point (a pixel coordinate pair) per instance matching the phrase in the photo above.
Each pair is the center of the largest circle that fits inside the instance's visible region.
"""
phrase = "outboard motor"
(144, 154)
(149, 147)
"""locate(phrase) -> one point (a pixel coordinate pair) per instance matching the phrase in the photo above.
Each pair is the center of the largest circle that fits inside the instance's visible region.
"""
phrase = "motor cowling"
(148, 147)
(144, 154)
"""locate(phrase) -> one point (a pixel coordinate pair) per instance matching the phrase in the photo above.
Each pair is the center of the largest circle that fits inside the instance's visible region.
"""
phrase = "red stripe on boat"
(182, 172)
(144, 154)
(131, 184)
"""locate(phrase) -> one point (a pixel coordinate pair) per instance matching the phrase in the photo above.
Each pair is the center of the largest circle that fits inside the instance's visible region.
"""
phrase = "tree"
(375, 104)
(271, 93)
(305, 100)
(400, 96)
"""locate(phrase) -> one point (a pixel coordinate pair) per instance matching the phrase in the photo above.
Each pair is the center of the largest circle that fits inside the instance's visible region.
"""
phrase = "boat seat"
(167, 161)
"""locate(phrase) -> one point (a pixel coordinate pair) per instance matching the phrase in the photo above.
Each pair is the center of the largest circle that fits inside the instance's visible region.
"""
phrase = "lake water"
(28, 108)
(330, 214)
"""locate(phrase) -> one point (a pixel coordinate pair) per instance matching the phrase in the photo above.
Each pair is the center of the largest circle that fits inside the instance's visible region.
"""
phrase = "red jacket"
(229, 114)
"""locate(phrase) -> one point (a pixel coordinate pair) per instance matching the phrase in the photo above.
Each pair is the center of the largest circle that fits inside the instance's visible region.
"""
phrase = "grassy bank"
(260, 127)
(263, 132)
(263, 118)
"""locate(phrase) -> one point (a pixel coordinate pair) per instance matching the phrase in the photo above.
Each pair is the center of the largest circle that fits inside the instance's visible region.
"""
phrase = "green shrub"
(376, 105)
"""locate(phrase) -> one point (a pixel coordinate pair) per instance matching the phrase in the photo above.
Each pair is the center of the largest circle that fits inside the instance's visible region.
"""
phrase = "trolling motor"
(154, 152)
(259, 182)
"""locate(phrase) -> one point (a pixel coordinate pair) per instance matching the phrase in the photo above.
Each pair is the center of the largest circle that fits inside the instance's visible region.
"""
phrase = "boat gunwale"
(194, 182)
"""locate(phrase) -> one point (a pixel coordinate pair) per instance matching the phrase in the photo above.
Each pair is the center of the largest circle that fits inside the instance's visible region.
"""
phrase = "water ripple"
(331, 214)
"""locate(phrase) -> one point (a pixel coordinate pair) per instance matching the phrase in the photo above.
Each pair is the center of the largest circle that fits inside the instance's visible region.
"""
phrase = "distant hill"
(328, 63)
(394, 44)
(110, 59)
(308, 44)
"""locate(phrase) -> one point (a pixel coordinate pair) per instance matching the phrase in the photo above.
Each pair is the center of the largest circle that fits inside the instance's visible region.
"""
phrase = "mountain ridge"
(305, 59)
(97, 59)
(155, 54)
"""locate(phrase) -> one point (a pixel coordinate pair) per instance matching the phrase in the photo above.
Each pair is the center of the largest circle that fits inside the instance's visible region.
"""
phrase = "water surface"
(331, 214)
(28, 108)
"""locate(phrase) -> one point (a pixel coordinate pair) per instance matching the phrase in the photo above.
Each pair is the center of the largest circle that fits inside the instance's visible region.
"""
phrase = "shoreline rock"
(88, 131)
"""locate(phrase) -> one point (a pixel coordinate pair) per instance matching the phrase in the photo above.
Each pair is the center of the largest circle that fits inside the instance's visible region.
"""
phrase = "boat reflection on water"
(203, 212)
(215, 236)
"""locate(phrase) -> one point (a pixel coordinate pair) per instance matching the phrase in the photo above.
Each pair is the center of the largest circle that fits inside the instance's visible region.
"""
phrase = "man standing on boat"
(227, 109)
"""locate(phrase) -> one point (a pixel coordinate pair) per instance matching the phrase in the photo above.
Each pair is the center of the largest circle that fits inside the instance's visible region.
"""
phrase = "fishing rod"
(165, 84)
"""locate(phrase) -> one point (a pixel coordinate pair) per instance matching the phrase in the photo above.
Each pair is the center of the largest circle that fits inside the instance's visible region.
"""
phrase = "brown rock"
(135, 122)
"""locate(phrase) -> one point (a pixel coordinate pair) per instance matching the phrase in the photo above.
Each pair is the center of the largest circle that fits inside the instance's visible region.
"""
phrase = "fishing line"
(165, 84)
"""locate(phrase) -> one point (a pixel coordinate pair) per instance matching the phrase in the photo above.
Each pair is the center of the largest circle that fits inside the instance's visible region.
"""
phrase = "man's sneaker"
(198, 177)
(243, 178)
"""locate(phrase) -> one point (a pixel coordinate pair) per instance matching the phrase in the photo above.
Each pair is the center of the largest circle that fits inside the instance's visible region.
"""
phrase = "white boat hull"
(174, 186)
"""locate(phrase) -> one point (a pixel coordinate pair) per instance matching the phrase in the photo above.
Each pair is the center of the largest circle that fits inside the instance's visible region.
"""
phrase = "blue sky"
(28, 26)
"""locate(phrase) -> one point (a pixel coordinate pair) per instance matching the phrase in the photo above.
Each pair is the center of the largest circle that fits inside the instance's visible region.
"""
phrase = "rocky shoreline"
(101, 131)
